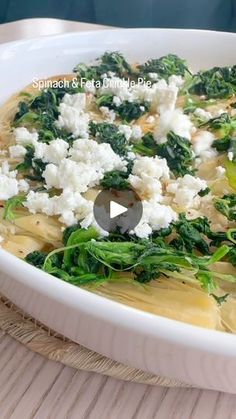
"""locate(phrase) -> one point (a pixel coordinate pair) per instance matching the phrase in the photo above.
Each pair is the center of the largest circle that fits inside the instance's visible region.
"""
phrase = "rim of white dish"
(102, 308)
(69, 34)
(116, 313)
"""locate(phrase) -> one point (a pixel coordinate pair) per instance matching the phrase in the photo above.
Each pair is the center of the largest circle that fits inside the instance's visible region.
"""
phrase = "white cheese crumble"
(9, 185)
(126, 130)
(100, 156)
(146, 175)
(230, 155)
(85, 168)
(137, 132)
(153, 76)
(24, 137)
(108, 114)
(70, 206)
(77, 177)
(173, 120)
(220, 171)
(165, 96)
(185, 190)
(117, 87)
(202, 114)
(155, 217)
(177, 80)
(72, 116)
(54, 152)
(154, 167)
(202, 143)
(17, 151)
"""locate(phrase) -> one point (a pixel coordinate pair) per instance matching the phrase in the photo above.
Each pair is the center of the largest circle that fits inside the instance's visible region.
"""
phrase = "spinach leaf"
(12, 204)
(165, 66)
(127, 111)
(227, 206)
(216, 83)
(109, 133)
(109, 62)
(176, 150)
(33, 168)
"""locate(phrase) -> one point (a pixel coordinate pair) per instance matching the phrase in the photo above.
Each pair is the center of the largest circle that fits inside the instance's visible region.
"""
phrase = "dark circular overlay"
(109, 202)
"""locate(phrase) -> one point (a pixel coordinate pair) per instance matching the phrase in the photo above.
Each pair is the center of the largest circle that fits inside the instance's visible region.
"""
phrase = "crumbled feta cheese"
(146, 175)
(153, 76)
(23, 185)
(77, 177)
(108, 114)
(150, 119)
(220, 171)
(177, 80)
(72, 116)
(53, 152)
(146, 186)
(165, 96)
(17, 151)
(25, 137)
(117, 87)
(154, 167)
(202, 143)
(71, 207)
(136, 133)
(230, 155)
(175, 121)
(100, 156)
(185, 190)
(89, 87)
(8, 183)
(203, 115)
(116, 100)
(155, 217)
(126, 130)
(77, 101)
(86, 167)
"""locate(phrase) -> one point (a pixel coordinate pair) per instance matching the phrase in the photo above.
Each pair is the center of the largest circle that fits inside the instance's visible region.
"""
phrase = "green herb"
(232, 256)
(127, 111)
(223, 124)
(222, 144)
(217, 83)
(192, 103)
(33, 168)
(230, 167)
(204, 192)
(165, 66)
(115, 180)
(11, 205)
(226, 206)
(109, 133)
(36, 258)
(221, 299)
(191, 234)
(176, 150)
(109, 62)
(40, 112)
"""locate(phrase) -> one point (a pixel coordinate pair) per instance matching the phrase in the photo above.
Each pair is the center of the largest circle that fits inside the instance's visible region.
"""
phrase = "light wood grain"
(33, 387)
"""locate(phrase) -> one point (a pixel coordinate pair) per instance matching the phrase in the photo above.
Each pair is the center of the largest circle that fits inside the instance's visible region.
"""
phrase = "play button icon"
(117, 210)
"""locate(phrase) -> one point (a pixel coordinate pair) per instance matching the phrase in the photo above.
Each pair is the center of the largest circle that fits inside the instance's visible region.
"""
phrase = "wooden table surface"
(33, 387)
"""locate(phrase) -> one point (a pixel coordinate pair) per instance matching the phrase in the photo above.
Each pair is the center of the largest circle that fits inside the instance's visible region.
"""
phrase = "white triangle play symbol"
(116, 209)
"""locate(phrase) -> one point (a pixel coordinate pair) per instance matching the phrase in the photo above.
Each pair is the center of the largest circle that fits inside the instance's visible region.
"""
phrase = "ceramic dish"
(165, 347)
